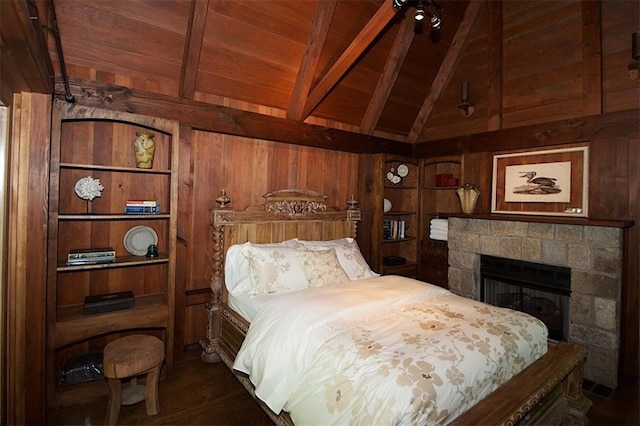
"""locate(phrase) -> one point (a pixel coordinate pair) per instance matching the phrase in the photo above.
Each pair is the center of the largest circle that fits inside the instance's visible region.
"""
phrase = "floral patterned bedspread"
(385, 350)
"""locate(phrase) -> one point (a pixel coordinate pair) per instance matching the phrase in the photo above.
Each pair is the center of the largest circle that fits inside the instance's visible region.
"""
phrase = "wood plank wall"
(27, 242)
(549, 51)
(246, 169)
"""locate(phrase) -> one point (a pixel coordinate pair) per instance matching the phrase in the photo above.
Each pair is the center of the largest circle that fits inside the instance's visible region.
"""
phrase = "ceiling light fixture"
(436, 20)
(422, 10)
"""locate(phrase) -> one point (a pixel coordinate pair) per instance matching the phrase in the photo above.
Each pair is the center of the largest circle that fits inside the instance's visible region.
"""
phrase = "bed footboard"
(547, 392)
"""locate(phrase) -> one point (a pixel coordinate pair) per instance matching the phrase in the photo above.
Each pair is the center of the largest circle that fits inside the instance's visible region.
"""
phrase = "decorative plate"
(396, 179)
(403, 170)
(386, 207)
(138, 239)
(390, 176)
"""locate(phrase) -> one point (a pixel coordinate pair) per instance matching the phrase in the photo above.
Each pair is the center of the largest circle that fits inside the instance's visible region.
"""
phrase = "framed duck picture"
(545, 182)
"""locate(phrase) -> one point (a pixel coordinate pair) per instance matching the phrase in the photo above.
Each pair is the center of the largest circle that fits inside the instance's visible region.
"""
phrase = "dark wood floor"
(200, 393)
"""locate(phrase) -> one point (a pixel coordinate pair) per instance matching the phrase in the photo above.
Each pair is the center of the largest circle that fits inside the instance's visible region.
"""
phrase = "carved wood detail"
(234, 320)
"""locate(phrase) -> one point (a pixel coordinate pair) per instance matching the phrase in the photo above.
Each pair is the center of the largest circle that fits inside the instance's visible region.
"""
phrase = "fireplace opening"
(540, 290)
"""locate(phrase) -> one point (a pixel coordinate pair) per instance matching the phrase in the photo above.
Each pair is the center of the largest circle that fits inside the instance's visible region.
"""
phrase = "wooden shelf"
(544, 219)
(404, 197)
(398, 240)
(436, 199)
(113, 216)
(399, 213)
(399, 187)
(105, 224)
(113, 168)
(72, 326)
(121, 262)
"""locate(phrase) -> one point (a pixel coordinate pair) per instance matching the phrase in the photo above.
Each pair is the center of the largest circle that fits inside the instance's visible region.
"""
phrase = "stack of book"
(142, 207)
(91, 256)
(393, 229)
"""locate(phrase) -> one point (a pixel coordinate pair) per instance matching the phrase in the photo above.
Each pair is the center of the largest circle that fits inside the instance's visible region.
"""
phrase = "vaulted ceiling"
(359, 62)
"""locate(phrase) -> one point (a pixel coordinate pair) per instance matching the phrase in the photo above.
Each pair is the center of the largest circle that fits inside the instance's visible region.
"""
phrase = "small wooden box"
(100, 303)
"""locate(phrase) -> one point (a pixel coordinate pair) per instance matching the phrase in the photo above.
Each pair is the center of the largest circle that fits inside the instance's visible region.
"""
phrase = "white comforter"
(385, 350)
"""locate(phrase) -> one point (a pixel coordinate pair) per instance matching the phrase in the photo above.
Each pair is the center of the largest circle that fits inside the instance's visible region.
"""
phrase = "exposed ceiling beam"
(225, 120)
(362, 41)
(193, 47)
(389, 75)
(446, 70)
(616, 125)
(315, 44)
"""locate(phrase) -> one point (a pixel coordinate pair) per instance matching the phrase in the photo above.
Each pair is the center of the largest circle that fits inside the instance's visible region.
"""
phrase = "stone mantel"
(561, 220)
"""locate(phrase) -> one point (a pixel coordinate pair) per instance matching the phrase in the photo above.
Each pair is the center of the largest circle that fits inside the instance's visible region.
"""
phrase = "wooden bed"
(547, 392)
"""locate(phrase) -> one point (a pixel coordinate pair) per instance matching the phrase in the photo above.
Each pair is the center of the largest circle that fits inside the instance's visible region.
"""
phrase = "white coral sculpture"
(89, 188)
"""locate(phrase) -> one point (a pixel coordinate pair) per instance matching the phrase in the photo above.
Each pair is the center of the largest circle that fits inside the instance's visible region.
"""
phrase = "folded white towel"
(439, 235)
(439, 224)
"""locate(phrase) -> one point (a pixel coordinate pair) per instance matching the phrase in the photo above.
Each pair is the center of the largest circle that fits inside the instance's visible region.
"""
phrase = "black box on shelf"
(393, 260)
(100, 303)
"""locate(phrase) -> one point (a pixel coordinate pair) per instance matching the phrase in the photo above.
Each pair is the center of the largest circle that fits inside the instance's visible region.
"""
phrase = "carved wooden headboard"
(285, 214)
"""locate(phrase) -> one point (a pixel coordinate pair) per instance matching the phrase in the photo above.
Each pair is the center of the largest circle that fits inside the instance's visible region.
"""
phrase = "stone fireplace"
(593, 254)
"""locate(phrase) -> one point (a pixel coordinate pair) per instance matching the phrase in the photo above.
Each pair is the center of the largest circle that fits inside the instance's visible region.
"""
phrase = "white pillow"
(322, 267)
(349, 256)
(274, 269)
(237, 276)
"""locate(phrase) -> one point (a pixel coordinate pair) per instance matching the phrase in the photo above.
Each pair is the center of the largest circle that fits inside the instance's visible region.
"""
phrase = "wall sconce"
(634, 67)
(466, 108)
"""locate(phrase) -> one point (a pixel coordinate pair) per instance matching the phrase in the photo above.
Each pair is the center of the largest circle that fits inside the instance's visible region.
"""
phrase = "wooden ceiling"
(358, 62)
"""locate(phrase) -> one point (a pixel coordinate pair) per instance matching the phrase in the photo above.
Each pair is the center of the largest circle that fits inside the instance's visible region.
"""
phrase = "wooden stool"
(132, 356)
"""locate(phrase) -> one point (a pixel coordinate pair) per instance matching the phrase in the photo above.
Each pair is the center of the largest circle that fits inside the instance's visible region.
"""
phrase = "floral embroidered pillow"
(274, 269)
(322, 267)
(348, 253)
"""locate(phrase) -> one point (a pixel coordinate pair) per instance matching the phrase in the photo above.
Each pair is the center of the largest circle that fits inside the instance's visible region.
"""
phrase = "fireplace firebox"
(537, 289)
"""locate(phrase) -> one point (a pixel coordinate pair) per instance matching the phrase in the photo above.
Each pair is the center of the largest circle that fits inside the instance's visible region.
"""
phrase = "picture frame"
(552, 182)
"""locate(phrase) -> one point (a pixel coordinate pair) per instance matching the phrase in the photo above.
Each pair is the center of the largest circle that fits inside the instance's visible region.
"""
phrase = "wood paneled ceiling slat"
(238, 76)
(123, 45)
(286, 18)
(494, 65)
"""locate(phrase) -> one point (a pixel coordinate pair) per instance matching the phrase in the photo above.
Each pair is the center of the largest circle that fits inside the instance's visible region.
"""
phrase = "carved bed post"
(578, 403)
(210, 344)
